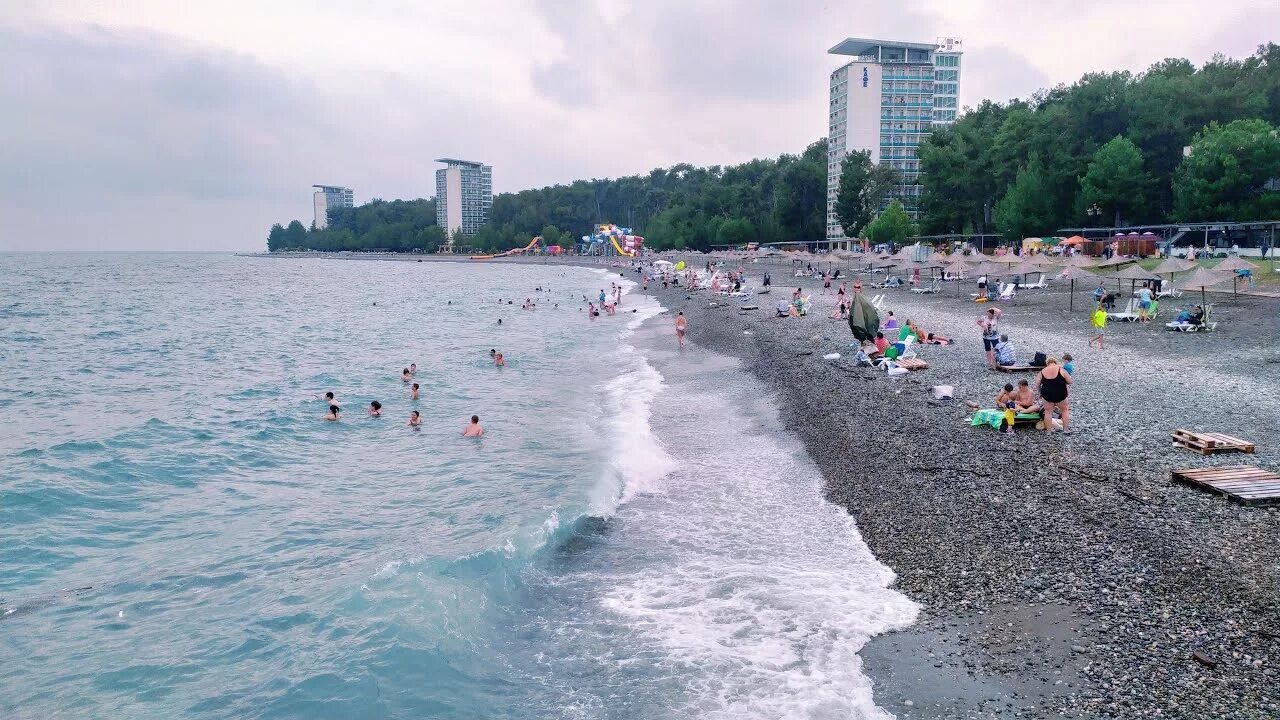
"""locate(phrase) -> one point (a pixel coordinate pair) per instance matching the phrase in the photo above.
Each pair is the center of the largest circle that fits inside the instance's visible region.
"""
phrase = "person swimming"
(492, 353)
(415, 419)
(413, 392)
(333, 413)
(328, 398)
(375, 409)
(474, 428)
(499, 321)
(405, 375)
(413, 368)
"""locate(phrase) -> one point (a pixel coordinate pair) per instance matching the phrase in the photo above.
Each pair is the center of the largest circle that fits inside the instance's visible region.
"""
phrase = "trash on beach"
(831, 356)
(943, 392)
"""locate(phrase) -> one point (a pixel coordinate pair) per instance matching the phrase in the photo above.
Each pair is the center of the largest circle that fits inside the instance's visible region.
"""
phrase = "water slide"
(621, 250)
(513, 251)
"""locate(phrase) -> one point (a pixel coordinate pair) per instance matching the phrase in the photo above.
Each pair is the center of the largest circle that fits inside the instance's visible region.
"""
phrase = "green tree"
(801, 204)
(735, 231)
(863, 186)
(276, 238)
(551, 235)
(1115, 182)
(1027, 209)
(893, 226)
(1230, 174)
(295, 235)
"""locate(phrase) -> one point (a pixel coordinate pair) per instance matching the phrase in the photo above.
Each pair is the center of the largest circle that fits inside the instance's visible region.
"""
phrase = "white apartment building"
(329, 196)
(886, 101)
(464, 194)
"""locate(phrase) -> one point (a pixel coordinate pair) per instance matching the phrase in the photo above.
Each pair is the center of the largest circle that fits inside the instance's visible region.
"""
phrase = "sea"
(183, 535)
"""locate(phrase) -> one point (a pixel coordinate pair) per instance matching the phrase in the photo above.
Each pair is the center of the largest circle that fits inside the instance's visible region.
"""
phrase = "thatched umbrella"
(1232, 264)
(1074, 273)
(1116, 261)
(1081, 261)
(1133, 273)
(1203, 278)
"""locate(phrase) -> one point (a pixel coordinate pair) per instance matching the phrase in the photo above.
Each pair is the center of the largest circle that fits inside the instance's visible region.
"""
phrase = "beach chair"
(932, 288)
(1129, 314)
(1008, 292)
(1040, 284)
(1168, 290)
(877, 302)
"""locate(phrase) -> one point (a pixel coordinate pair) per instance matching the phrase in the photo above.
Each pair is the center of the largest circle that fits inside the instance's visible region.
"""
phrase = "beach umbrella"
(864, 321)
(1173, 265)
(1133, 273)
(1232, 264)
(1116, 261)
(1073, 274)
(1081, 261)
(1203, 278)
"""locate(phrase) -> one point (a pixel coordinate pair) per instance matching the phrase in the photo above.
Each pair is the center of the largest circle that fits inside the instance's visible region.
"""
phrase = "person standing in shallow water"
(474, 428)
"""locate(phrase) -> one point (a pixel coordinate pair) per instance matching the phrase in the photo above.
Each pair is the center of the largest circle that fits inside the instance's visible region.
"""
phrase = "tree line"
(1106, 150)
(1109, 150)
(682, 206)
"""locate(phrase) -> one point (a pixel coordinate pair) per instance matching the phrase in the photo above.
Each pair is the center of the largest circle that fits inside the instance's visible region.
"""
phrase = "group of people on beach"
(472, 429)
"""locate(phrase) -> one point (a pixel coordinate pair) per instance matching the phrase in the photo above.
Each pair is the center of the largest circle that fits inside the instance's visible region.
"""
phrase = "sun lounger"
(1008, 292)
(1129, 313)
(1168, 290)
(1040, 284)
(1206, 324)
(932, 288)
(877, 302)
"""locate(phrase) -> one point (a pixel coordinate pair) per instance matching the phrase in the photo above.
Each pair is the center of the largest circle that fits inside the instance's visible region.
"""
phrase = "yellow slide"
(512, 251)
(621, 250)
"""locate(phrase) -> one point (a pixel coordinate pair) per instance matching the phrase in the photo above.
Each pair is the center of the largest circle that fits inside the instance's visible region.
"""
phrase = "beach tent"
(864, 321)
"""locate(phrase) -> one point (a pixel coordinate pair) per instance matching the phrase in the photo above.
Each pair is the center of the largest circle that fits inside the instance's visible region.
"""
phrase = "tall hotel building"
(886, 101)
(326, 197)
(464, 194)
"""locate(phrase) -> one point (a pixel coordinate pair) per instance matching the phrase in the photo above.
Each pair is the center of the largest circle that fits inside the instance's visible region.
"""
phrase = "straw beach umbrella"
(1074, 273)
(1204, 278)
(1133, 273)
(1232, 264)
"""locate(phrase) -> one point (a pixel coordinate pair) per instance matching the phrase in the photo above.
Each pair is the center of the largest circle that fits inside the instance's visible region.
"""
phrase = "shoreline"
(1060, 576)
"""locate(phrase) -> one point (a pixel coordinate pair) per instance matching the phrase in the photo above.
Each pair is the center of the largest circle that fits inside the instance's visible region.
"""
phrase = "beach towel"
(994, 417)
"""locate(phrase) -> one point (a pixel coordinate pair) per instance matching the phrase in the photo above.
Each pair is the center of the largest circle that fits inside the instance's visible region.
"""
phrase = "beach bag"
(1039, 360)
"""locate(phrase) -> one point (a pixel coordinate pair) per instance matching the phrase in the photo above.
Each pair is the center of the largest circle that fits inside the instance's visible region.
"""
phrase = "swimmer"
(499, 321)
(492, 353)
(413, 368)
(375, 409)
(474, 428)
(413, 392)
(333, 413)
(498, 361)
(328, 398)
(405, 375)
(415, 419)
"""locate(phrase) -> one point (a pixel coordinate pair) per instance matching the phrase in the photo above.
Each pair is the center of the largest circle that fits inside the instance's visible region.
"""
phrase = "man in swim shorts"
(474, 428)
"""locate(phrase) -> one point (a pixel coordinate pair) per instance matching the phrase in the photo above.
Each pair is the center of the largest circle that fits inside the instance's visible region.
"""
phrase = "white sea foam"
(769, 592)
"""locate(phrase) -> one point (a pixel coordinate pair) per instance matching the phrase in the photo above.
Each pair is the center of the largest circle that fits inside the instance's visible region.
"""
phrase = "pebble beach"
(1059, 575)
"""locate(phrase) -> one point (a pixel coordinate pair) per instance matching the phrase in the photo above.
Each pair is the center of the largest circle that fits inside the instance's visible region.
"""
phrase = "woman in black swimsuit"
(1053, 382)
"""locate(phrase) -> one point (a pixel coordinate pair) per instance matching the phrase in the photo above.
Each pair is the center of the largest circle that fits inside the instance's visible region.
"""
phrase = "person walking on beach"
(474, 428)
(1099, 326)
(682, 326)
(767, 281)
(1053, 391)
(990, 324)
(826, 283)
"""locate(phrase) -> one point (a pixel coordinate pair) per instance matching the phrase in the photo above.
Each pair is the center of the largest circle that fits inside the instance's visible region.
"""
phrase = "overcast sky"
(151, 124)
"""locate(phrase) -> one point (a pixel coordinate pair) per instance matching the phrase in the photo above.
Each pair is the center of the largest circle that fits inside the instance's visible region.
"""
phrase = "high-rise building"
(464, 194)
(886, 101)
(326, 197)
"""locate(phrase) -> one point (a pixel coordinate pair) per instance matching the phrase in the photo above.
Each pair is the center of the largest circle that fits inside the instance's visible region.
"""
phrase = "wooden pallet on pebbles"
(1242, 483)
(1207, 443)
(912, 364)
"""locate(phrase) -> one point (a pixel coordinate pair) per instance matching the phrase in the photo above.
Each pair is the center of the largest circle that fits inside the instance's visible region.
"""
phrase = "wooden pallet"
(1207, 443)
(912, 363)
(1242, 483)
(1016, 368)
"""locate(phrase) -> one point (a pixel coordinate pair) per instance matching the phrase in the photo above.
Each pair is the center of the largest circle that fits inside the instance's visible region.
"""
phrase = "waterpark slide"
(512, 251)
(621, 250)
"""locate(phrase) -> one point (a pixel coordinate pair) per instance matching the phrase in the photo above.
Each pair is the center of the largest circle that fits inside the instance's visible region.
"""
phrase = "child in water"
(415, 419)
(405, 375)
(413, 392)
(498, 360)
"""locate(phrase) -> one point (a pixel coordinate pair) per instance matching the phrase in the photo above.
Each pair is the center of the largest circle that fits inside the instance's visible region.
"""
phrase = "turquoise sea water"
(182, 535)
